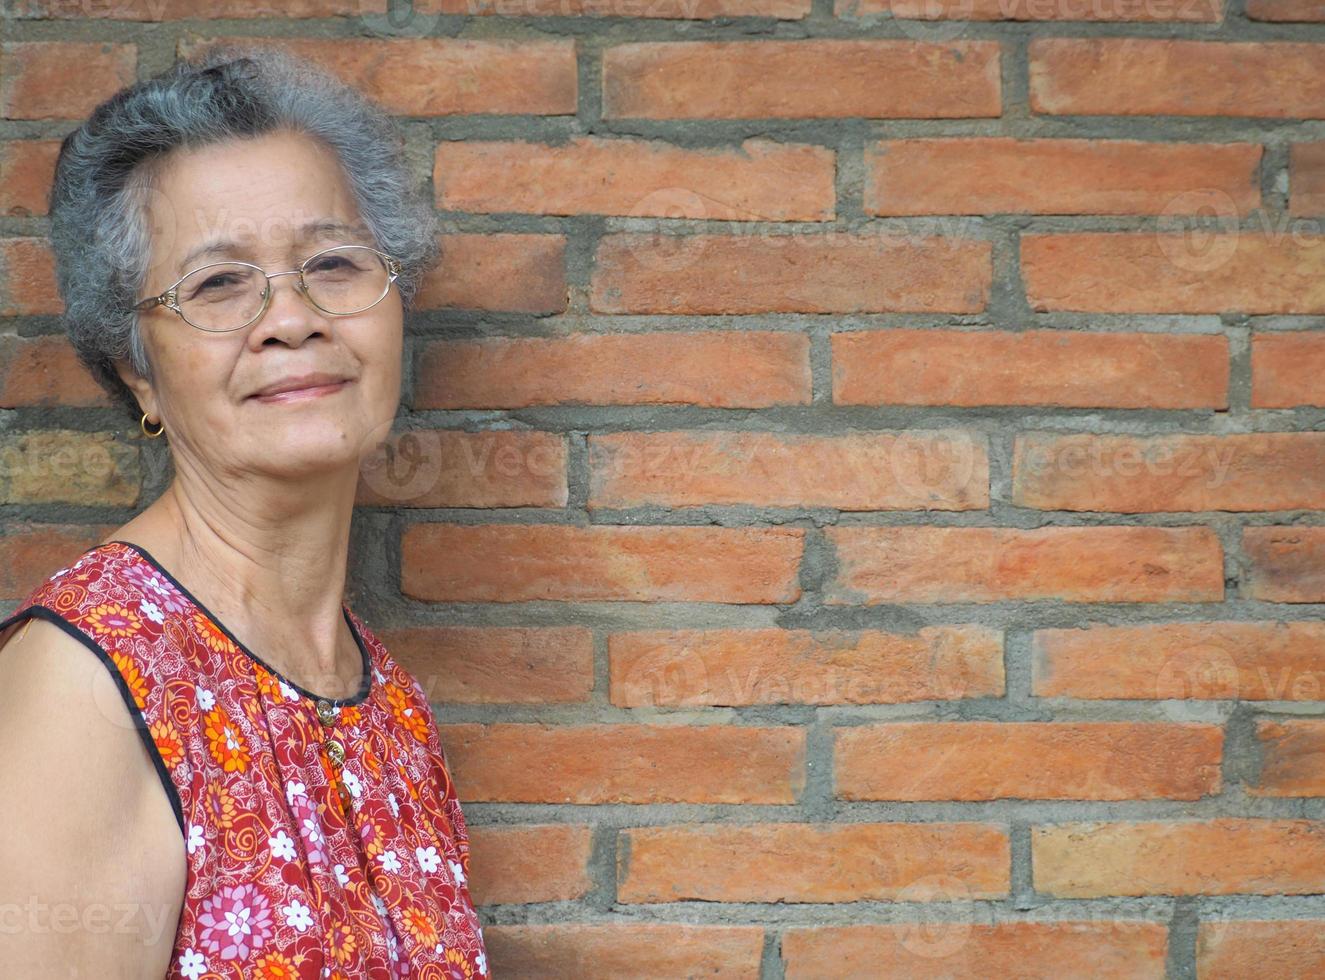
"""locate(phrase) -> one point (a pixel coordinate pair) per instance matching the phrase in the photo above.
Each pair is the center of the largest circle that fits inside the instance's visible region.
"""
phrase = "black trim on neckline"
(135, 713)
(365, 684)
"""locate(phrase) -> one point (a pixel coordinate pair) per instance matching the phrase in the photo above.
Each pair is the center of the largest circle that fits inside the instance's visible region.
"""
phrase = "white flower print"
(152, 611)
(312, 829)
(394, 804)
(289, 693)
(457, 872)
(341, 876)
(282, 846)
(428, 859)
(298, 915)
(192, 964)
(206, 699)
(196, 842)
(352, 783)
(390, 862)
(293, 790)
(482, 963)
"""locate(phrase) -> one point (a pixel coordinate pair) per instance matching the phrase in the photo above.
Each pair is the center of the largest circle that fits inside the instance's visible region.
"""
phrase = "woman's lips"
(301, 394)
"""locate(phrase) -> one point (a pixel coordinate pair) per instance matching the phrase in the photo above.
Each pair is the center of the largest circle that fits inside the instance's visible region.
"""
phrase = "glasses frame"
(169, 297)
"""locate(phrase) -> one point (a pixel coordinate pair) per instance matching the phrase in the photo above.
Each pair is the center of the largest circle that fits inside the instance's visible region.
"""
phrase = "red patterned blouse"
(324, 836)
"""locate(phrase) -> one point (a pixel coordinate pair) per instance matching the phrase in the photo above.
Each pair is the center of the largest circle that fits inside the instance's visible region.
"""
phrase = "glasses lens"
(221, 297)
(347, 279)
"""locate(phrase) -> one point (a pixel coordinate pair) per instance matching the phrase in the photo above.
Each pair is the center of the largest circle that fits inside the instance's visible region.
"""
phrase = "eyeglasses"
(225, 296)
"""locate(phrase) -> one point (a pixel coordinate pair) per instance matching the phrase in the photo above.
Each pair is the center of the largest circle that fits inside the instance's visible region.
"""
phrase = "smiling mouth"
(301, 394)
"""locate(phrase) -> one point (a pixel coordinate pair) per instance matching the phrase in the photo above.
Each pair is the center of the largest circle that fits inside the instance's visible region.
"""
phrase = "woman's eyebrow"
(224, 246)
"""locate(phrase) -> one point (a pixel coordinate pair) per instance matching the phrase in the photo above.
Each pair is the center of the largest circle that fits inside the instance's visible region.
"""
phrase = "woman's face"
(258, 196)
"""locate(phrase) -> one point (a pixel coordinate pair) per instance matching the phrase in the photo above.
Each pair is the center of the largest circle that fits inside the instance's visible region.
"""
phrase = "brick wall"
(863, 509)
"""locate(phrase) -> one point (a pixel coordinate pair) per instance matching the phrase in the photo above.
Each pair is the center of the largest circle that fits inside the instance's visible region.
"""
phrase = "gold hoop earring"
(151, 435)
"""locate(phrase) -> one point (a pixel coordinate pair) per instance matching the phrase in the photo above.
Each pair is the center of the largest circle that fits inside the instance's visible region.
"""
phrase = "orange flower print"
(351, 714)
(225, 741)
(221, 805)
(211, 635)
(168, 742)
(420, 926)
(405, 711)
(113, 619)
(133, 677)
(274, 966)
(267, 683)
(457, 959)
(341, 942)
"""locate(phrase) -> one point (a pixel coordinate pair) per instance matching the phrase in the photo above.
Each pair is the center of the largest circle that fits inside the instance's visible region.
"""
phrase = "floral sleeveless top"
(324, 837)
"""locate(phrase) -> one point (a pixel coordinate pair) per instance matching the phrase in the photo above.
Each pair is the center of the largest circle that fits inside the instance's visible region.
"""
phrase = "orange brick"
(991, 175)
(27, 278)
(1248, 661)
(776, 666)
(1289, 10)
(611, 951)
(670, 9)
(994, 760)
(802, 862)
(1170, 272)
(630, 763)
(522, 562)
(1285, 564)
(27, 170)
(909, 469)
(442, 76)
(762, 180)
(1306, 181)
(38, 83)
(714, 369)
(1130, 76)
(496, 664)
(830, 273)
(29, 553)
(993, 564)
(1181, 11)
(511, 272)
(1287, 370)
(1292, 756)
(167, 10)
(959, 949)
(517, 864)
(44, 371)
(801, 78)
(1182, 472)
(446, 468)
(1223, 856)
(1069, 368)
(1230, 949)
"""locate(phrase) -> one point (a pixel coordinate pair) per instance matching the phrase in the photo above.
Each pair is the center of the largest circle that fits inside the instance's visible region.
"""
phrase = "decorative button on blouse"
(308, 857)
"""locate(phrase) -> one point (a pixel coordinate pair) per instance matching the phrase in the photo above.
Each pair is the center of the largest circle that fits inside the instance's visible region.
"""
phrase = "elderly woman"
(237, 240)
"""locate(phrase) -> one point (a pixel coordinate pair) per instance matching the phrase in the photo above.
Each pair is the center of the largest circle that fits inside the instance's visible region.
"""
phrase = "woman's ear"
(140, 386)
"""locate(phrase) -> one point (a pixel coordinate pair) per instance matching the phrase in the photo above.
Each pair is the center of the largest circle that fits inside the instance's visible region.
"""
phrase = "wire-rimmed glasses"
(225, 296)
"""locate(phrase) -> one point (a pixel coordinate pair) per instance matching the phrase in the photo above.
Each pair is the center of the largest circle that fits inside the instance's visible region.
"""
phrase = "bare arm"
(92, 862)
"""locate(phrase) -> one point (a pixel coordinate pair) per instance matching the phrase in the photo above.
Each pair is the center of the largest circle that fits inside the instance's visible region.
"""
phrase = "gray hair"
(107, 166)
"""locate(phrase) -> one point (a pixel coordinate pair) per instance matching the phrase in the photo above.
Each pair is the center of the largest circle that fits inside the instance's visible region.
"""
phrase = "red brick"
(38, 83)
(509, 272)
(1285, 564)
(447, 468)
(1231, 949)
(69, 466)
(27, 278)
(44, 371)
(1179, 11)
(991, 175)
(901, 470)
(27, 170)
(523, 562)
(497, 664)
(671, 9)
(168, 10)
(1068, 368)
(611, 951)
(993, 564)
(775, 666)
(1306, 181)
(803, 862)
(1181, 472)
(1225, 660)
(29, 553)
(443, 76)
(833, 272)
(1171, 272)
(1223, 856)
(806, 78)
(1292, 756)
(1287, 369)
(517, 864)
(762, 180)
(994, 760)
(960, 949)
(1129, 76)
(713, 369)
(630, 763)
(1289, 10)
